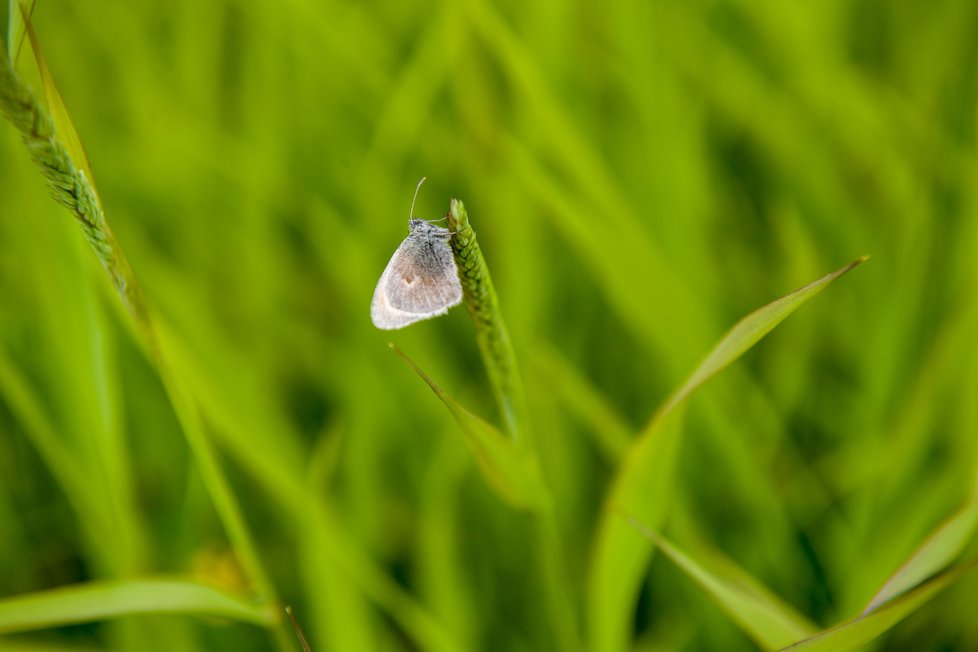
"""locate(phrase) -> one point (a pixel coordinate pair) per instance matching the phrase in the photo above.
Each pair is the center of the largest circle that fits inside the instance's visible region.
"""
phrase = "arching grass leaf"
(643, 484)
(56, 106)
(939, 550)
(112, 599)
(855, 633)
(510, 469)
(758, 612)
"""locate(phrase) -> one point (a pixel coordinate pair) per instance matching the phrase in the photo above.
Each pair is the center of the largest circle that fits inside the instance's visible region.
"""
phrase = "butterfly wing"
(419, 282)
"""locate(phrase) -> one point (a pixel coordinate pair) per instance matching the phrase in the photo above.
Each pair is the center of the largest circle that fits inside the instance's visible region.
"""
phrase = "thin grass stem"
(490, 331)
(72, 188)
(499, 358)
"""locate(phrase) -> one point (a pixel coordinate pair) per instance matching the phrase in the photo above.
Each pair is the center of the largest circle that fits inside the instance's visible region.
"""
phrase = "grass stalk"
(490, 331)
(72, 188)
(499, 358)
(69, 185)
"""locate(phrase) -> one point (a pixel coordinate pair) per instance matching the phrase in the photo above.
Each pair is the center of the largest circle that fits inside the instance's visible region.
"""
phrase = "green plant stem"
(68, 184)
(500, 361)
(490, 331)
(71, 188)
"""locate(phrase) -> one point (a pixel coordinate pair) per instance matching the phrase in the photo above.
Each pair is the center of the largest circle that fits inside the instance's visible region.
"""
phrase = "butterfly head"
(424, 228)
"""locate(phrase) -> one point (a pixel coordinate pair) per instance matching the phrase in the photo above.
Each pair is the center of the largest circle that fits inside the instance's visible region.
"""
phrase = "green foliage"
(103, 600)
(508, 467)
(643, 484)
(197, 394)
(854, 634)
(490, 330)
(762, 616)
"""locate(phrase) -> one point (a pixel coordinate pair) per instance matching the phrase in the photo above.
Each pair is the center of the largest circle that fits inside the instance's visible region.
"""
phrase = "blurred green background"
(640, 176)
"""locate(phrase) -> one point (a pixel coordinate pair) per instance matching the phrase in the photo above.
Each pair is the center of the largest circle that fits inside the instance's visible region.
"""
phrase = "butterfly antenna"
(411, 216)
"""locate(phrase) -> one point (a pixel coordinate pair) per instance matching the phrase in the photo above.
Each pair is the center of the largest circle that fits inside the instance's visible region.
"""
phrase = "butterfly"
(421, 279)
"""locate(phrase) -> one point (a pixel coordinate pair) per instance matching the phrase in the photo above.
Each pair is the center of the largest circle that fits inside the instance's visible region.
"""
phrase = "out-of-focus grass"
(641, 175)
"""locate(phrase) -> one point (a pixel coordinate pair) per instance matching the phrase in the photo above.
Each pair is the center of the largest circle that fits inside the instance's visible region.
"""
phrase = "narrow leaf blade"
(937, 552)
(749, 331)
(853, 634)
(56, 106)
(113, 599)
(619, 556)
(508, 468)
(16, 11)
(643, 484)
(759, 613)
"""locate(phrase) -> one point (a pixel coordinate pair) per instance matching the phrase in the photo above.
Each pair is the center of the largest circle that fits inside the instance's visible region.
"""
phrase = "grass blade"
(14, 25)
(56, 106)
(855, 633)
(114, 599)
(63, 166)
(509, 468)
(939, 550)
(643, 484)
(618, 556)
(67, 176)
(512, 471)
(759, 613)
(749, 330)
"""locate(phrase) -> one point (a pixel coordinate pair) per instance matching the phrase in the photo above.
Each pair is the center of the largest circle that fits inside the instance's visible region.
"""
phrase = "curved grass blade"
(769, 621)
(113, 599)
(56, 106)
(45, 139)
(68, 176)
(643, 484)
(853, 634)
(937, 551)
(18, 14)
(512, 471)
(749, 331)
(509, 468)
(619, 557)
